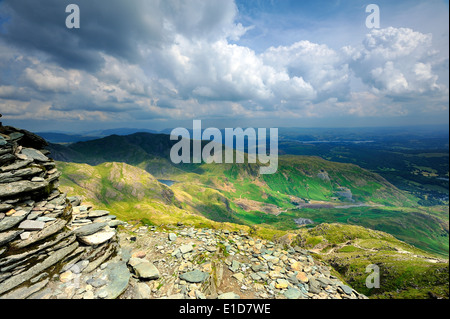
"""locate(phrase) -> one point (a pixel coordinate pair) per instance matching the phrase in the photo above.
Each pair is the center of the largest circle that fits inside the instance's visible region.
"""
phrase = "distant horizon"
(432, 127)
(231, 63)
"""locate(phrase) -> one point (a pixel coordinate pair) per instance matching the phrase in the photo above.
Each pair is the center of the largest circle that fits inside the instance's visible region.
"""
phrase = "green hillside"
(303, 187)
(405, 272)
(136, 196)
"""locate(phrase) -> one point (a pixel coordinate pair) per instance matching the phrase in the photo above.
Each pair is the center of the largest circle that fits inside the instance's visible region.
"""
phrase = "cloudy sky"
(159, 64)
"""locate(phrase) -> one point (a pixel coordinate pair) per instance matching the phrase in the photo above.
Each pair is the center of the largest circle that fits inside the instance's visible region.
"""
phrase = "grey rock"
(89, 229)
(146, 271)
(115, 223)
(97, 213)
(25, 235)
(15, 136)
(103, 219)
(45, 219)
(74, 200)
(97, 262)
(21, 187)
(50, 229)
(324, 281)
(79, 266)
(15, 166)
(143, 290)
(11, 221)
(96, 282)
(17, 175)
(26, 275)
(172, 237)
(117, 282)
(6, 237)
(7, 158)
(32, 225)
(34, 154)
(292, 293)
(195, 276)
(229, 295)
(98, 238)
(186, 249)
(346, 289)
(235, 265)
(314, 286)
(5, 207)
(25, 292)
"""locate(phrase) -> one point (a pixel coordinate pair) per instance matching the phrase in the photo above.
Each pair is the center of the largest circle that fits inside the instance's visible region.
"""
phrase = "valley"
(133, 176)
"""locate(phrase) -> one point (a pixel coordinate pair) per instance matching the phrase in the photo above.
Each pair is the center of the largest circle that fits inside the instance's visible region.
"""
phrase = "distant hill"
(63, 138)
(67, 138)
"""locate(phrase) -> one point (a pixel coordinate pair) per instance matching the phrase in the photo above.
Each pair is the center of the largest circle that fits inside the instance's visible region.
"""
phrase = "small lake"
(166, 182)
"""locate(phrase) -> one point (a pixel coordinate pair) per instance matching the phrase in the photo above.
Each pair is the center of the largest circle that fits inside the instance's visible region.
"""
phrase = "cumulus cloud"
(397, 61)
(181, 59)
(323, 68)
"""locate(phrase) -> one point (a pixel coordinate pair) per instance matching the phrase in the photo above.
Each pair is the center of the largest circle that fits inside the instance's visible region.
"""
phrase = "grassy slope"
(405, 271)
(134, 195)
(399, 214)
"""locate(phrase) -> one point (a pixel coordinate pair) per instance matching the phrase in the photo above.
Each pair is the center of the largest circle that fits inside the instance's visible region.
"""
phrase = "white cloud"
(397, 61)
(176, 59)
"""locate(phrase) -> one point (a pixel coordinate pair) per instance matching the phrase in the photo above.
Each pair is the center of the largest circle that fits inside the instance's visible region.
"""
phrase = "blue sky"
(158, 64)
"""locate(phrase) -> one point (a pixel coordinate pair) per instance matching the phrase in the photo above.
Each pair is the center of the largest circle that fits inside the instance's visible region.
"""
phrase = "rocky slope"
(183, 262)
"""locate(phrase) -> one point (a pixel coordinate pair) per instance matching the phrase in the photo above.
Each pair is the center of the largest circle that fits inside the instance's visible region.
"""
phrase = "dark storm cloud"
(113, 27)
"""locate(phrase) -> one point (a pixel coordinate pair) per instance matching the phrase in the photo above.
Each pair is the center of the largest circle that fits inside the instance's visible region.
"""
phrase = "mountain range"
(369, 218)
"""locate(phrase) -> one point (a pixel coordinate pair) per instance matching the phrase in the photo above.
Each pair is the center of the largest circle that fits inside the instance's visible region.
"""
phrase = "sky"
(158, 64)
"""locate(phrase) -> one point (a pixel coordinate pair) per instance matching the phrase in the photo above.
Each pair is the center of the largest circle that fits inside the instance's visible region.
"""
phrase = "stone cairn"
(47, 237)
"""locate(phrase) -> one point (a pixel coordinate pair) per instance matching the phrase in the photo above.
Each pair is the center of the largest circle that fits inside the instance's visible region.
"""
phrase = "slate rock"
(292, 293)
(32, 225)
(6, 237)
(21, 187)
(195, 276)
(184, 249)
(34, 154)
(89, 229)
(346, 289)
(97, 213)
(146, 271)
(97, 238)
(118, 277)
(229, 295)
(9, 222)
(17, 280)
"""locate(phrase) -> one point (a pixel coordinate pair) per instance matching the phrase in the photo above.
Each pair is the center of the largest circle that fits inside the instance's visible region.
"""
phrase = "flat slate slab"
(16, 188)
(34, 154)
(195, 276)
(146, 271)
(97, 238)
(97, 213)
(32, 225)
(6, 237)
(89, 229)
